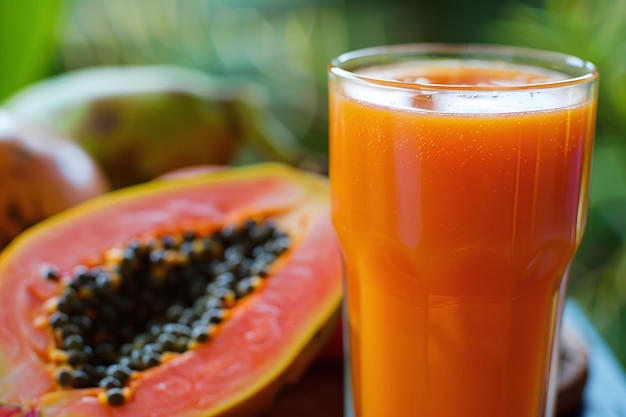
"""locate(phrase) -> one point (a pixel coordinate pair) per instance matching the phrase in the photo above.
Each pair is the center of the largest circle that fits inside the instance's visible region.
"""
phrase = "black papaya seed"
(115, 396)
(65, 377)
(110, 382)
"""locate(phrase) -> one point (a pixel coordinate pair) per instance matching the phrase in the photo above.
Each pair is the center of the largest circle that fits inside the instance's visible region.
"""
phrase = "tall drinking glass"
(459, 177)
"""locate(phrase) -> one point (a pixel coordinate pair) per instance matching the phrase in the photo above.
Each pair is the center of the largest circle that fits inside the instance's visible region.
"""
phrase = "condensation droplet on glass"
(495, 94)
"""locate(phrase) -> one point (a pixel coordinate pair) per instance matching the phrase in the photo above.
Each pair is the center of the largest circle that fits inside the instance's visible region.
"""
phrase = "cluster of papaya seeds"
(153, 298)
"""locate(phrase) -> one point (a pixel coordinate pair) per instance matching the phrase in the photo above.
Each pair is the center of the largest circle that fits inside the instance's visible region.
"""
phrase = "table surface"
(320, 392)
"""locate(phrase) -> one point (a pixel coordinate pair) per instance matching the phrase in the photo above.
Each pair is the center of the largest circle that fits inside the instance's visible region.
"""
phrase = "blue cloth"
(605, 391)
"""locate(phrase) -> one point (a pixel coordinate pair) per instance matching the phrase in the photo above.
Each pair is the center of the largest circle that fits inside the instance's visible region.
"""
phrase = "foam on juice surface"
(435, 86)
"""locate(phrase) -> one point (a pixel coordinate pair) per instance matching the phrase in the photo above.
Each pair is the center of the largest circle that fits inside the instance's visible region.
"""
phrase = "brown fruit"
(40, 174)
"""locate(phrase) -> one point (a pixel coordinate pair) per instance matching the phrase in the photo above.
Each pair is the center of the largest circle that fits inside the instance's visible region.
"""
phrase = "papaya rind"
(262, 399)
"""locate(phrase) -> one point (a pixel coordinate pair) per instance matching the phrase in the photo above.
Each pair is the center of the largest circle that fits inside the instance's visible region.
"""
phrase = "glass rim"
(485, 51)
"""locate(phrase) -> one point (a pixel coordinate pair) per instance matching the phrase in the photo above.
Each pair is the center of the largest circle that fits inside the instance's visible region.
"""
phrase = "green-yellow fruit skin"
(140, 122)
(137, 137)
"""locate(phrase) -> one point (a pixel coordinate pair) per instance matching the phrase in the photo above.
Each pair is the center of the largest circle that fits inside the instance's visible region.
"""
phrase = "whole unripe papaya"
(41, 174)
(140, 122)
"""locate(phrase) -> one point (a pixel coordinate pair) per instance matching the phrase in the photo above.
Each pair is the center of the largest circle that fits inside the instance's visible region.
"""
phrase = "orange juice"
(457, 228)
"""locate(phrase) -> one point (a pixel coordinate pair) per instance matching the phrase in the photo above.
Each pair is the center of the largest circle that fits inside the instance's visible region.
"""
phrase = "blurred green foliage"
(592, 29)
(281, 45)
(285, 45)
(28, 41)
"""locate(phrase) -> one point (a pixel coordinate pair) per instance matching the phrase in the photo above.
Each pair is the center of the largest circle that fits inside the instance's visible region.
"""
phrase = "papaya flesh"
(269, 339)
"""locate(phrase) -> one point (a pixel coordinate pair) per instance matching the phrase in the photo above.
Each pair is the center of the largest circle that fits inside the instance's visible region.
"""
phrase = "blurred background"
(283, 47)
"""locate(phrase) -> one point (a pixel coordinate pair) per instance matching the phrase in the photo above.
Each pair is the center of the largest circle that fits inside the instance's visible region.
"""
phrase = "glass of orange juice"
(459, 178)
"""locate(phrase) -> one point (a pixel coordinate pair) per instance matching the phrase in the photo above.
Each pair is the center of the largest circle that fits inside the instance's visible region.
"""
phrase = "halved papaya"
(267, 338)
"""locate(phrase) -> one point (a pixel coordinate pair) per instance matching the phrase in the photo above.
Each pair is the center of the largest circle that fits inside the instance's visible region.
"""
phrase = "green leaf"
(28, 39)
